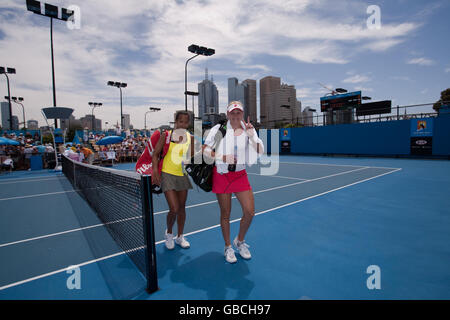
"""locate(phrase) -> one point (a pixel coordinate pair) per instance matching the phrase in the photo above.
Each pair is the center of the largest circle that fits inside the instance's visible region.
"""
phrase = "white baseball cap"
(235, 105)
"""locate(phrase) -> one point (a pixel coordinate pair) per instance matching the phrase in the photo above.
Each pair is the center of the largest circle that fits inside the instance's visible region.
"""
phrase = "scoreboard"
(377, 107)
(340, 101)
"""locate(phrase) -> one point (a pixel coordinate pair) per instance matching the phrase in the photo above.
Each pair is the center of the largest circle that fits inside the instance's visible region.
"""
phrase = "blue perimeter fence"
(396, 138)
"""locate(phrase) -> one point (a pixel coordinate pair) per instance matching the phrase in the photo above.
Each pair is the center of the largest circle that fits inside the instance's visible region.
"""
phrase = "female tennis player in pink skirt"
(239, 146)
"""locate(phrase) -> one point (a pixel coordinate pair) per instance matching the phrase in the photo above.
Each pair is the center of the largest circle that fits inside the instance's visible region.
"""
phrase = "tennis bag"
(201, 173)
(144, 164)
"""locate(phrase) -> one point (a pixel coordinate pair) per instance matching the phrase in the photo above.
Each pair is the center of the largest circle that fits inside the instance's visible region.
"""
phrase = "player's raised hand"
(249, 127)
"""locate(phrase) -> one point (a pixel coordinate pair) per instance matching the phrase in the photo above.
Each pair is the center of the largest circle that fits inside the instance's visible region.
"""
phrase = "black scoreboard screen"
(340, 101)
(377, 107)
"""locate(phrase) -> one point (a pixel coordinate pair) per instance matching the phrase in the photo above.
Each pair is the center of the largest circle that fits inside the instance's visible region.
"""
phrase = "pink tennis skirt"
(230, 182)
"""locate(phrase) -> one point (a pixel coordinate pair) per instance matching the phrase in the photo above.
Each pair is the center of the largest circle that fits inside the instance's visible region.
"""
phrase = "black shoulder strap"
(218, 137)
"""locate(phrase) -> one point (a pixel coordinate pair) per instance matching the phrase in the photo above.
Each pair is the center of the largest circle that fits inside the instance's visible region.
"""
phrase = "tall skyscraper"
(282, 107)
(251, 99)
(90, 122)
(32, 125)
(267, 85)
(237, 92)
(244, 92)
(278, 101)
(126, 122)
(5, 115)
(208, 97)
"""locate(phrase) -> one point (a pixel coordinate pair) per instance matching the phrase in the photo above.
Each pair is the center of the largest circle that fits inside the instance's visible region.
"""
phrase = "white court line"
(165, 211)
(67, 231)
(335, 165)
(191, 233)
(38, 195)
(65, 269)
(292, 178)
(29, 180)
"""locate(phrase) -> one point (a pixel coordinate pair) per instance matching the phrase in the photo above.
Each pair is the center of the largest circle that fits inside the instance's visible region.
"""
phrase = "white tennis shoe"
(242, 247)
(169, 241)
(181, 241)
(229, 255)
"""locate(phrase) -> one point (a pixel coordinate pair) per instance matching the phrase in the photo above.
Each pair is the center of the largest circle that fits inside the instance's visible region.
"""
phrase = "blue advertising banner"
(422, 136)
(285, 137)
(286, 134)
(422, 127)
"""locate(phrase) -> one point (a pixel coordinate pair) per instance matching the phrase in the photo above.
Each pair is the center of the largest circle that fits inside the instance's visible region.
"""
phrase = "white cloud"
(383, 45)
(356, 79)
(402, 78)
(421, 61)
(447, 69)
(363, 89)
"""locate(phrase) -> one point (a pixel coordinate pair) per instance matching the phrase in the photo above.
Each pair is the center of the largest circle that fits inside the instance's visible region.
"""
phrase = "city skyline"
(145, 45)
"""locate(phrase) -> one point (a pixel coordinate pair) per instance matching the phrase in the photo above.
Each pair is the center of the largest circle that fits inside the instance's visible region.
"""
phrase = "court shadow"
(210, 272)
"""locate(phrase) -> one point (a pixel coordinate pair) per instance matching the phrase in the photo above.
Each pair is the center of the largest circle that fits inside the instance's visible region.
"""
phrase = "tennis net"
(123, 202)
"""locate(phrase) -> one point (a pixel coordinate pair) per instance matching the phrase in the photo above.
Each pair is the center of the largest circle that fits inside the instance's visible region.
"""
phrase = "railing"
(349, 116)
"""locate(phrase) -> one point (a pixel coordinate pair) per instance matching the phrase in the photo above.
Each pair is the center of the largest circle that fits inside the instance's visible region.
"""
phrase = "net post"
(149, 233)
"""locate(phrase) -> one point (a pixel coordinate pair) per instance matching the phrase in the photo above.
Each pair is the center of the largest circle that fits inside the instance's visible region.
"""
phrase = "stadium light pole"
(51, 12)
(94, 105)
(119, 85)
(151, 109)
(198, 51)
(19, 100)
(5, 71)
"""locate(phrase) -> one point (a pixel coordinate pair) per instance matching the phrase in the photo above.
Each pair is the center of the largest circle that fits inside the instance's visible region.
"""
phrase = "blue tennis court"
(320, 223)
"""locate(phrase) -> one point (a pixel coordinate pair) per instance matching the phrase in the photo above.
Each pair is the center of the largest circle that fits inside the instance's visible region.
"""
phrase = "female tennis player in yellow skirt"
(173, 180)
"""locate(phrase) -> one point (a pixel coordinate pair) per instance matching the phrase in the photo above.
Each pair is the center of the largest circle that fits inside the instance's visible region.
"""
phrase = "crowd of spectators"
(87, 151)
(18, 157)
(128, 150)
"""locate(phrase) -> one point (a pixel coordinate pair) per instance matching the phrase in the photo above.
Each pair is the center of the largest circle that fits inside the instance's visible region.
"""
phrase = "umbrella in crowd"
(109, 140)
(76, 140)
(8, 142)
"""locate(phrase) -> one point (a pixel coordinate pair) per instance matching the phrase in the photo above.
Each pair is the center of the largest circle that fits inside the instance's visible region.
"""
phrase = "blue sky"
(144, 43)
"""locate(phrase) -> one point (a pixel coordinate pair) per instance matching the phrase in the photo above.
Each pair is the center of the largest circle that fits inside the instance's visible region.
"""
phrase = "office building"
(32, 125)
(250, 86)
(126, 122)
(88, 121)
(71, 123)
(267, 85)
(278, 103)
(244, 92)
(5, 115)
(307, 117)
(208, 97)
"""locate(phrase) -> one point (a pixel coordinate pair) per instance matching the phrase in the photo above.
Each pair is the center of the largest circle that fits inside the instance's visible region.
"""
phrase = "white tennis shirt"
(242, 146)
